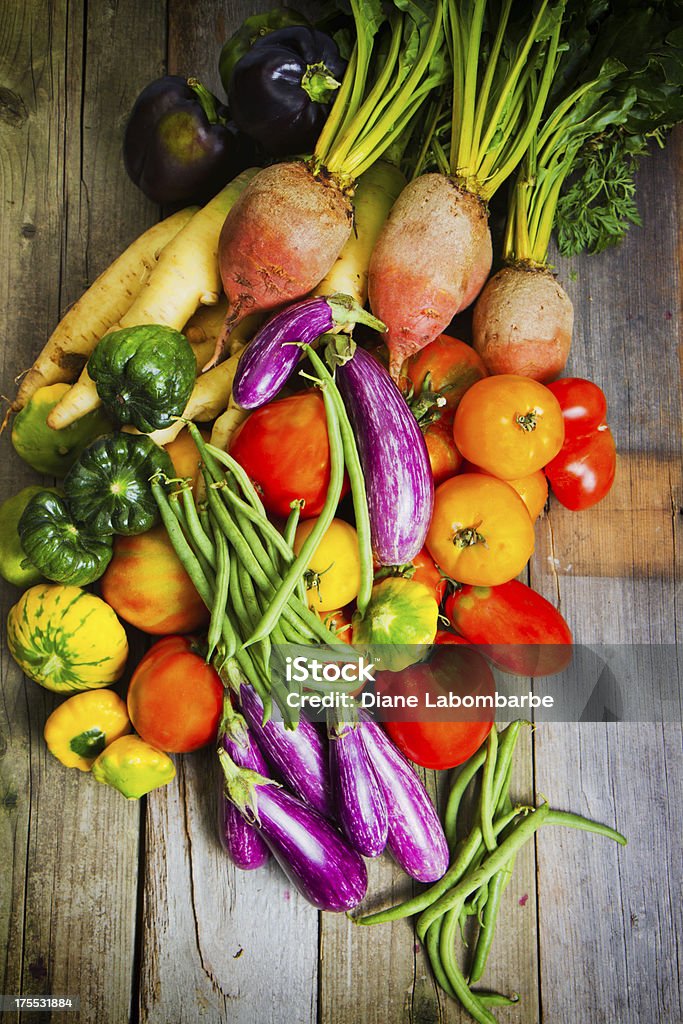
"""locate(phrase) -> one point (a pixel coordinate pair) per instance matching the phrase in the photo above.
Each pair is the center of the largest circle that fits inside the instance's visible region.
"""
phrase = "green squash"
(66, 639)
(53, 451)
(57, 546)
(14, 565)
(401, 620)
(108, 488)
(144, 375)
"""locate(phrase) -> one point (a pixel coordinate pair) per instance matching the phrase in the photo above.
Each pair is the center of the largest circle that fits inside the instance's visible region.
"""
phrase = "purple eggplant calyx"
(240, 786)
(345, 310)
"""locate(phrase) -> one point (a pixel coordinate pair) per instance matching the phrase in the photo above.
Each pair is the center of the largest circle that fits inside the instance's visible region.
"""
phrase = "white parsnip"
(186, 277)
(104, 303)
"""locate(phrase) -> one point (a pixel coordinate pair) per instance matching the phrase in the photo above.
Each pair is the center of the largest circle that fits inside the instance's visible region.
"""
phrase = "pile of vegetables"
(249, 459)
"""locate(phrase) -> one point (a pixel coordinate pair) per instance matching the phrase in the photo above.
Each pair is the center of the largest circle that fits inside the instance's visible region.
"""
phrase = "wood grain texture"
(610, 919)
(69, 846)
(223, 944)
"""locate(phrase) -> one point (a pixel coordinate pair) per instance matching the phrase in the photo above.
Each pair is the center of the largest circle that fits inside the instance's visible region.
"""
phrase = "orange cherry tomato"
(510, 426)
(444, 457)
(481, 532)
(453, 368)
(175, 699)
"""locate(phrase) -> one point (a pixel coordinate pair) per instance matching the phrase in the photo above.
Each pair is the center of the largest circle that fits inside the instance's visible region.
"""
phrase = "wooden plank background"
(132, 906)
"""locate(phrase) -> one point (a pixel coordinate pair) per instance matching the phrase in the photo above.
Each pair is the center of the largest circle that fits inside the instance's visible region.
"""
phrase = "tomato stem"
(468, 537)
(527, 421)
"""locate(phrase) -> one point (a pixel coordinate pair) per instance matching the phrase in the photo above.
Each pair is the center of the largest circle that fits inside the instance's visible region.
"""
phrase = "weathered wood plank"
(70, 846)
(230, 944)
(611, 918)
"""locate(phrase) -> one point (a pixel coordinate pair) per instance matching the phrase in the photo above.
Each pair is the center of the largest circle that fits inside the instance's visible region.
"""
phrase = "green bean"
(486, 801)
(254, 612)
(432, 944)
(220, 596)
(237, 471)
(207, 568)
(586, 825)
(296, 569)
(289, 534)
(470, 849)
(357, 481)
(462, 781)
(241, 548)
(504, 803)
(496, 998)
(493, 863)
(194, 525)
(482, 949)
(507, 741)
(180, 545)
(468, 999)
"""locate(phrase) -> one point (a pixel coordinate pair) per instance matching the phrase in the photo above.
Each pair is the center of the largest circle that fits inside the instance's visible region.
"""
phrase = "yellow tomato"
(481, 532)
(333, 575)
(510, 426)
(532, 489)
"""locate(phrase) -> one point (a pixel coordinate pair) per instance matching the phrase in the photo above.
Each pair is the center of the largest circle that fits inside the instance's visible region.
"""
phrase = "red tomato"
(175, 699)
(441, 737)
(583, 405)
(426, 572)
(444, 457)
(146, 584)
(583, 471)
(453, 367)
(444, 636)
(517, 629)
(284, 448)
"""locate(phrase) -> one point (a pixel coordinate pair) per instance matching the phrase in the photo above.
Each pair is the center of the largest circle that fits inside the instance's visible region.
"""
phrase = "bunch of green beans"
(244, 570)
(480, 869)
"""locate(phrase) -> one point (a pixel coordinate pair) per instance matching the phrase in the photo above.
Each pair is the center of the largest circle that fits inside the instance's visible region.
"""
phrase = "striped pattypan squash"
(66, 639)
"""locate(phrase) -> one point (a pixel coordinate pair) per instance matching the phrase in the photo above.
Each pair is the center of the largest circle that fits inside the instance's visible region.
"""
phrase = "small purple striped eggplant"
(361, 807)
(243, 844)
(393, 455)
(271, 356)
(297, 755)
(416, 838)
(314, 856)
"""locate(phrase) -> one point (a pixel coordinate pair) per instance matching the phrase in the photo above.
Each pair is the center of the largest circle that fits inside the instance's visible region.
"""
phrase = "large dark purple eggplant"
(244, 845)
(393, 454)
(270, 358)
(297, 755)
(359, 800)
(416, 838)
(313, 855)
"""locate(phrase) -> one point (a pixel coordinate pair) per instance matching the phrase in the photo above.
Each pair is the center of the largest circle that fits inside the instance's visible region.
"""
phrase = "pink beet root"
(430, 261)
(523, 322)
(279, 240)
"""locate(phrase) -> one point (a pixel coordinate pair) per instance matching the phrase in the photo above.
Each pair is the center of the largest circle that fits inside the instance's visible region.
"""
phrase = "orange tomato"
(510, 426)
(532, 489)
(426, 572)
(146, 585)
(175, 699)
(444, 457)
(481, 532)
(453, 368)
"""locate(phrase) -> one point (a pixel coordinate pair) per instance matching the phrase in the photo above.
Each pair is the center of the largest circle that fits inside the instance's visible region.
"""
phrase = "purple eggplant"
(416, 838)
(244, 845)
(313, 855)
(360, 803)
(393, 455)
(270, 358)
(297, 755)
